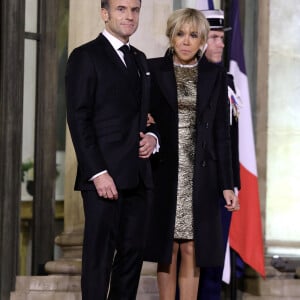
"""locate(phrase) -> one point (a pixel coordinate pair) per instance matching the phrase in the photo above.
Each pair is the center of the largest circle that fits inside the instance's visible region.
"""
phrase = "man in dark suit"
(211, 278)
(107, 103)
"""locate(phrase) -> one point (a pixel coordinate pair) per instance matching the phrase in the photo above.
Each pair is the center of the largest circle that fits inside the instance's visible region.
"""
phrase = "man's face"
(215, 46)
(122, 18)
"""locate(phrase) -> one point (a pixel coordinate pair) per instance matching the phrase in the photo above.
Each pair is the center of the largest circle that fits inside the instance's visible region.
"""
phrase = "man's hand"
(105, 186)
(232, 200)
(147, 145)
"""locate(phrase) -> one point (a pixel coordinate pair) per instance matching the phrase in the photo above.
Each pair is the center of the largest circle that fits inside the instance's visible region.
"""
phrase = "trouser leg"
(98, 246)
(131, 240)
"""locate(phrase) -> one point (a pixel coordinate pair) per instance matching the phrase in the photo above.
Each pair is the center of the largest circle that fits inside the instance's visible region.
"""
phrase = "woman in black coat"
(193, 167)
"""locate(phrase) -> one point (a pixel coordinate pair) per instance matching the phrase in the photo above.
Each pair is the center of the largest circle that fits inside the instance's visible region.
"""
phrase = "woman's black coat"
(212, 168)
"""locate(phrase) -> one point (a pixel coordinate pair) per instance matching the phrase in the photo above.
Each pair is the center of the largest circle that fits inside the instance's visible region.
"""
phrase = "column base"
(70, 263)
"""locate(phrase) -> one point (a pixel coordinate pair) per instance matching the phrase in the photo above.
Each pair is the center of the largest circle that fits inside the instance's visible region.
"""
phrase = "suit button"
(203, 163)
(206, 125)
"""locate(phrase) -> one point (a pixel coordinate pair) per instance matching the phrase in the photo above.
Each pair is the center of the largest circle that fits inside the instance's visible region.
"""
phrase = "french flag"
(245, 235)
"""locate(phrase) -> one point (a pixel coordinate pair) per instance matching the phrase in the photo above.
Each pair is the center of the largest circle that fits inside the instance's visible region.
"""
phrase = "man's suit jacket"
(105, 113)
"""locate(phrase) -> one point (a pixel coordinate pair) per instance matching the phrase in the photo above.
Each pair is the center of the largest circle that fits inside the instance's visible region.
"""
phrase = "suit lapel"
(145, 82)
(111, 53)
(116, 60)
(141, 63)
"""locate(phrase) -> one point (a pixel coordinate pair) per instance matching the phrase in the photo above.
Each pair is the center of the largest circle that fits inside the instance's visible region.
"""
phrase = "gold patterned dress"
(186, 78)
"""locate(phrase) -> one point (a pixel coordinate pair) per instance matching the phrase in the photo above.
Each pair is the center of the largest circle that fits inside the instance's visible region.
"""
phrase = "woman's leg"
(167, 277)
(188, 278)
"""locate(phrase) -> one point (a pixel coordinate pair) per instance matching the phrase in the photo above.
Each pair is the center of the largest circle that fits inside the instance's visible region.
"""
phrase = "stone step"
(59, 283)
(42, 295)
(45, 295)
(147, 288)
(250, 297)
(272, 287)
(64, 287)
(52, 287)
(276, 285)
(60, 287)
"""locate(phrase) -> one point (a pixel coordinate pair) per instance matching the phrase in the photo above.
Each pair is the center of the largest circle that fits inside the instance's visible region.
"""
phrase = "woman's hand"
(150, 120)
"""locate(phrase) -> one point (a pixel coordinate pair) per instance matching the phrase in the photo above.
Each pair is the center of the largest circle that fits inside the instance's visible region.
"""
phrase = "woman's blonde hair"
(193, 17)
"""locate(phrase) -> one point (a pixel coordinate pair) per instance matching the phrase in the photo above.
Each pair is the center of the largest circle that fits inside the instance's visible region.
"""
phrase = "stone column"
(262, 90)
(85, 24)
(11, 106)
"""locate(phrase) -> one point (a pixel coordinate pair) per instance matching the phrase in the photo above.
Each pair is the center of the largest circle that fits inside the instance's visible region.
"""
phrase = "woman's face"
(186, 44)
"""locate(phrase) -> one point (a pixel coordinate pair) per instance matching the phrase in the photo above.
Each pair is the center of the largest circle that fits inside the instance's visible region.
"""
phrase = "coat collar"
(167, 81)
(207, 75)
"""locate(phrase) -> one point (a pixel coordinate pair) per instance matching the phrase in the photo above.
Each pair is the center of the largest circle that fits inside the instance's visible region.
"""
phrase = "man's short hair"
(105, 4)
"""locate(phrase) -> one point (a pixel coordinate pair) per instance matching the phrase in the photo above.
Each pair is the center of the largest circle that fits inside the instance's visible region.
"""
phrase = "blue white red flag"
(245, 234)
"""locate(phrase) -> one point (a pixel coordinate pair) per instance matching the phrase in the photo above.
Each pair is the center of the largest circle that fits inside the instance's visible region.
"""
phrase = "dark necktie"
(130, 62)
